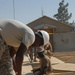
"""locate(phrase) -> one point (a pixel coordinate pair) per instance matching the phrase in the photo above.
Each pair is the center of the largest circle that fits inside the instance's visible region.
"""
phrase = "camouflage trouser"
(6, 67)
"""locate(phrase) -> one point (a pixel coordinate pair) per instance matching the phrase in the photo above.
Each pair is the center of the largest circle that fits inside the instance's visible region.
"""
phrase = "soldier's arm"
(19, 58)
(48, 46)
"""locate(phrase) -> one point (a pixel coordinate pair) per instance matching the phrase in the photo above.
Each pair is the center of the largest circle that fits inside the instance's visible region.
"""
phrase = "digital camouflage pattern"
(6, 67)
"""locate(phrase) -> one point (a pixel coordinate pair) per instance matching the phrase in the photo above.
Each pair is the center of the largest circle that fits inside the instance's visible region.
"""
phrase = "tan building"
(51, 26)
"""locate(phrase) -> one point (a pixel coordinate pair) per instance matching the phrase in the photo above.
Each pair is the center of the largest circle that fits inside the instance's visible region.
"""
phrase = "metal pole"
(13, 9)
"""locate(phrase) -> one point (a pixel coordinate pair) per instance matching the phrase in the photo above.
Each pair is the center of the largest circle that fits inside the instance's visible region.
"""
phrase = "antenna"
(42, 12)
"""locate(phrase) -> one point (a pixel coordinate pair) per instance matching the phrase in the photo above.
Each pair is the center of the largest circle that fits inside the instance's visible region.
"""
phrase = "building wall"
(64, 41)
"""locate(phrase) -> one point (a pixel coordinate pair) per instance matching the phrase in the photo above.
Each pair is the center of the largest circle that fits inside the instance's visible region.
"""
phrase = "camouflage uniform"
(6, 67)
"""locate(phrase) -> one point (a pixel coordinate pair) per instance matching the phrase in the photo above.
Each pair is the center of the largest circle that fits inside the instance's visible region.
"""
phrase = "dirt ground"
(68, 57)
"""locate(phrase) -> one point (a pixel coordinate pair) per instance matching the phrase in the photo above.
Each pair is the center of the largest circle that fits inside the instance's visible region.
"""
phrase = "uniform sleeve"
(28, 40)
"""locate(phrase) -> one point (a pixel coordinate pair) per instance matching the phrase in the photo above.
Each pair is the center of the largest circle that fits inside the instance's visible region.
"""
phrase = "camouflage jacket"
(6, 67)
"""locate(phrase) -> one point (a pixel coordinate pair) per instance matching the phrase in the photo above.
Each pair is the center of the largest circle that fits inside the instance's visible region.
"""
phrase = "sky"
(27, 11)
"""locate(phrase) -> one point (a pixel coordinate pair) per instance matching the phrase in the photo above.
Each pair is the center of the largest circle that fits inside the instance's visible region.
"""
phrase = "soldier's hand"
(33, 70)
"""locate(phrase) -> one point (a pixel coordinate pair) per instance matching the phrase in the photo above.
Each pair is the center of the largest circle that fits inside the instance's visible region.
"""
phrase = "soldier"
(45, 64)
(6, 67)
(48, 50)
(20, 37)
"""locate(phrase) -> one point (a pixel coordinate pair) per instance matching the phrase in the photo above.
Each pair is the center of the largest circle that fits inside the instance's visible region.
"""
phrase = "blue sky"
(29, 10)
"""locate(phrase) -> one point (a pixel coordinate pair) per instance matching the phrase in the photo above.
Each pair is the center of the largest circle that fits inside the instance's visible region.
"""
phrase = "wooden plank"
(64, 67)
(55, 60)
(64, 73)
